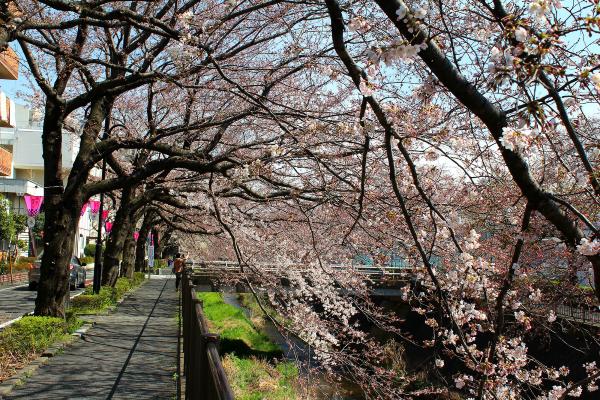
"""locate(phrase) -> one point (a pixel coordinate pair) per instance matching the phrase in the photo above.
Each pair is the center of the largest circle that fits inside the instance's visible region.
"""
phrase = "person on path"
(178, 266)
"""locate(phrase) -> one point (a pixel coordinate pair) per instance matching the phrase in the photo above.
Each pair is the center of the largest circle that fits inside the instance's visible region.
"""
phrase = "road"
(19, 300)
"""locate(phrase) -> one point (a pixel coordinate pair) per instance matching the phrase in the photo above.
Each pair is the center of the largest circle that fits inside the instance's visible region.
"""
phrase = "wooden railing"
(205, 377)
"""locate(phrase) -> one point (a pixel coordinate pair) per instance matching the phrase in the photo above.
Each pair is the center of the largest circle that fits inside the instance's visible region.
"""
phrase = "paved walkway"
(130, 354)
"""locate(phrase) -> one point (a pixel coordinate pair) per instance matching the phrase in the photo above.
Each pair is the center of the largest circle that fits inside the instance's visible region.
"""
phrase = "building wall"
(25, 143)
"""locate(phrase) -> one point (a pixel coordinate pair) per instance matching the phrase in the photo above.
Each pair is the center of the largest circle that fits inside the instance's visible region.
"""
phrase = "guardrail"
(587, 316)
(204, 374)
(234, 266)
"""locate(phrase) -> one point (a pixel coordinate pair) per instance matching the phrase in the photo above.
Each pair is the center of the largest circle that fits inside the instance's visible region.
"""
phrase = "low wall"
(18, 277)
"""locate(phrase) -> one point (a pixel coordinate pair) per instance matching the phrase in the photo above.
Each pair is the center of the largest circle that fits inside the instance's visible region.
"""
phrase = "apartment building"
(25, 173)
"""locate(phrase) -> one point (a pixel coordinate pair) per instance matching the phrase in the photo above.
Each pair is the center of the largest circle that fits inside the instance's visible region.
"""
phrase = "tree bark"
(166, 237)
(116, 240)
(60, 222)
(128, 262)
(140, 250)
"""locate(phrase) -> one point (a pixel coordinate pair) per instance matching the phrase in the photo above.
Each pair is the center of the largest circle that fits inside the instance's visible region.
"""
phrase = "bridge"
(386, 281)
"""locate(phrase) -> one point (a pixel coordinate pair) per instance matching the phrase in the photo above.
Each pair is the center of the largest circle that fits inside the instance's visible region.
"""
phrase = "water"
(297, 351)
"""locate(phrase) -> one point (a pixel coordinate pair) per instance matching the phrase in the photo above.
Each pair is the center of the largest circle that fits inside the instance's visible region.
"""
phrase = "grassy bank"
(251, 359)
(30, 336)
(88, 303)
(238, 334)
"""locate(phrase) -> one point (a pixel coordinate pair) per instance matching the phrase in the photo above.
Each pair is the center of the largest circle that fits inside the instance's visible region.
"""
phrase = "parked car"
(76, 269)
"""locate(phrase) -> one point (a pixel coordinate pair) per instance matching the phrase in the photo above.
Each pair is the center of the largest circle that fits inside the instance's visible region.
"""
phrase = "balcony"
(27, 149)
(5, 162)
(9, 64)
(21, 187)
(7, 111)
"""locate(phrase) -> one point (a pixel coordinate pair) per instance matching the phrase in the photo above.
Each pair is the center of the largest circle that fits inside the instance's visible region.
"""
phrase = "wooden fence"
(205, 377)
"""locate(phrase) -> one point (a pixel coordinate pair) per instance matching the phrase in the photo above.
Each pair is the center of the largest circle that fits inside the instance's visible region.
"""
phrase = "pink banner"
(84, 208)
(33, 203)
(104, 215)
(109, 226)
(94, 206)
(136, 235)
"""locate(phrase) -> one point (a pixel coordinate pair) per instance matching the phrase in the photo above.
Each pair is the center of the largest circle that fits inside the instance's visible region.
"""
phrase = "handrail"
(204, 373)
(230, 266)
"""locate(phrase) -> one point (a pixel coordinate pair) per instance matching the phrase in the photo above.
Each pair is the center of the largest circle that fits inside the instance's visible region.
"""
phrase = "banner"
(136, 235)
(109, 226)
(104, 215)
(94, 206)
(151, 256)
(84, 208)
(33, 203)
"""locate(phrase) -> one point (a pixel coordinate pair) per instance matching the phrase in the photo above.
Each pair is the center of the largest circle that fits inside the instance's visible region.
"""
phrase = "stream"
(297, 351)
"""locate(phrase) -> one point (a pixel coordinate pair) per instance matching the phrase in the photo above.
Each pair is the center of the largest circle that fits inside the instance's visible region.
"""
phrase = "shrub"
(89, 303)
(26, 260)
(122, 286)
(87, 259)
(138, 278)
(160, 263)
(28, 337)
(90, 250)
(20, 267)
(31, 334)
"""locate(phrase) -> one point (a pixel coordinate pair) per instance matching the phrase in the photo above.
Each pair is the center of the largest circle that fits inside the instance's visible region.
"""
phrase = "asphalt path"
(129, 354)
(17, 301)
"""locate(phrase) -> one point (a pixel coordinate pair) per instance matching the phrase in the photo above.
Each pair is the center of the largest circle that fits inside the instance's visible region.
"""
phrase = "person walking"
(178, 266)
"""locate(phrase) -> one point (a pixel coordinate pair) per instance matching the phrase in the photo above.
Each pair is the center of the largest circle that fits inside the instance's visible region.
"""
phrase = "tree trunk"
(59, 237)
(60, 222)
(116, 240)
(140, 250)
(127, 264)
(158, 243)
(166, 238)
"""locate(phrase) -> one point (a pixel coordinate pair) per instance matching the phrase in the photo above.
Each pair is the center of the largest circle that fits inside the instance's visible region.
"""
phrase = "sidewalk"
(129, 354)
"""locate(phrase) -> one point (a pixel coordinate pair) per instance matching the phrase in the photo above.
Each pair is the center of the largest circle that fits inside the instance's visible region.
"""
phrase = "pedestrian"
(178, 269)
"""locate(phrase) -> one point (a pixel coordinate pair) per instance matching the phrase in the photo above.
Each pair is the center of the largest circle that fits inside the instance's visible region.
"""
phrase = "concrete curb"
(21, 375)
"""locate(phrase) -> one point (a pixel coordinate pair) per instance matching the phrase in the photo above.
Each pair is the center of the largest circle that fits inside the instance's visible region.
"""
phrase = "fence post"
(208, 381)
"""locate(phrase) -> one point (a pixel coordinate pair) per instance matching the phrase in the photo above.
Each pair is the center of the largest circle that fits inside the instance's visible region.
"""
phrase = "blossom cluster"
(516, 140)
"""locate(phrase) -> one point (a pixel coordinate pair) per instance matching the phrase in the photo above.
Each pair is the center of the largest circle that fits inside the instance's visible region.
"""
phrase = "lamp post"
(98, 253)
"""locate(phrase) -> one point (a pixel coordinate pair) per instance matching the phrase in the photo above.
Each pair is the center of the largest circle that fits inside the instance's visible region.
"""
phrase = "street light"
(98, 253)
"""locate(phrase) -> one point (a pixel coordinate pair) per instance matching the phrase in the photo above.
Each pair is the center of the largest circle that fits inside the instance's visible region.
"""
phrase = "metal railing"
(585, 315)
(205, 377)
(205, 266)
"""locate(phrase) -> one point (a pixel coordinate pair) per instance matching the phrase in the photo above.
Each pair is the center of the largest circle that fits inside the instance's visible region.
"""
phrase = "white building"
(26, 174)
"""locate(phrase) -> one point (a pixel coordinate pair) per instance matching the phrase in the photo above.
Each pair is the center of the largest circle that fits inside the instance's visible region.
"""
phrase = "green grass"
(258, 379)
(251, 359)
(238, 333)
(88, 303)
(29, 336)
